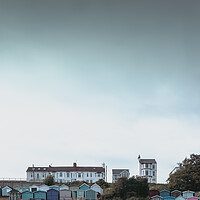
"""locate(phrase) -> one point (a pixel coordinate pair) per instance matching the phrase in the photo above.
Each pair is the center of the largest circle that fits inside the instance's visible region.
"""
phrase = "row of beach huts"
(174, 195)
(54, 192)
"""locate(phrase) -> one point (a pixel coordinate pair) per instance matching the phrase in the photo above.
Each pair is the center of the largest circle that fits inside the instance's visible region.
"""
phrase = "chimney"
(74, 164)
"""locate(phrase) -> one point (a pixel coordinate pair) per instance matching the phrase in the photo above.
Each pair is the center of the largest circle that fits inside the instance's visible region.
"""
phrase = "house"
(6, 190)
(66, 174)
(175, 193)
(14, 195)
(52, 194)
(148, 169)
(90, 195)
(65, 194)
(27, 195)
(40, 195)
(157, 197)
(188, 194)
(119, 173)
(97, 188)
(164, 193)
(84, 187)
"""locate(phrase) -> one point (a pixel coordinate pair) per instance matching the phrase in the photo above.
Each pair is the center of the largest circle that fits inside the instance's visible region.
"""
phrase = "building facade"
(148, 169)
(66, 174)
(119, 173)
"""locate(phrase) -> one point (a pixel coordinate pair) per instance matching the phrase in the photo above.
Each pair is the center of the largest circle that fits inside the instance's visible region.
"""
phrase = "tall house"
(66, 174)
(119, 173)
(148, 169)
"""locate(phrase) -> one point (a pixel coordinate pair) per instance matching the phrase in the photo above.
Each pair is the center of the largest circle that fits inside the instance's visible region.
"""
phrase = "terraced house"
(66, 174)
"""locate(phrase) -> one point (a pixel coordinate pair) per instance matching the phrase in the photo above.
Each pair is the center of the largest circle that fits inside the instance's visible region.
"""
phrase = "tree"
(103, 184)
(187, 177)
(125, 188)
(49, 180)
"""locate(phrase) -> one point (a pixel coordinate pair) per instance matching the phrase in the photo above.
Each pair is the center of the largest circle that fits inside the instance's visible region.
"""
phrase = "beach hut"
(97, 188)
(169, 198)
(65, 194)
(40, 195)
(84, 187)
(90, 195)
(175, 193)
(64, 187)
(74, 188)
(80, 194)
(197, 194)
(27, 195)
(188, 194)
(156, 197)
(43, 188)
(153, 193)
(6, 190)
(192, 198)
(34, 188)
(14, 195)
(180, 198)
(55, 187)
(52, 194)
(22, 188)
(164, 193)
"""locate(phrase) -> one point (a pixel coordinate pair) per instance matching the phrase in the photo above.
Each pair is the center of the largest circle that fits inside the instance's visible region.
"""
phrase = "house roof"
(118, 171)
(144, 161)
(65, 169)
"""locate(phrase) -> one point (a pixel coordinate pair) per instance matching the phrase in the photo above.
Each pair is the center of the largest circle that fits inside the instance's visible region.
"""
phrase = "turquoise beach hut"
(156, 197)
(164, 193)
(40, 195)
(27, 195)
(84, 187)
(90, 195)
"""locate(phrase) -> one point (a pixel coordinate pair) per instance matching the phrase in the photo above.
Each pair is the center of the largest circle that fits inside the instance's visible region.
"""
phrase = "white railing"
(12, 179)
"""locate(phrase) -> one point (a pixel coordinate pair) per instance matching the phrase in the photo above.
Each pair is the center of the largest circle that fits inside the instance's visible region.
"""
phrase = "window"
(87, 174)
(146, 172)
(90, 174)
(153, 166)
(31, 175)
(60, 174)
(146, 165)
(67, 174)
(79, 175)
(153, 173)
(38, 176)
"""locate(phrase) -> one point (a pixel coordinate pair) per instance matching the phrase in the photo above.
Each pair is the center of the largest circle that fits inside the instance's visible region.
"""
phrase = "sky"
(98, 81)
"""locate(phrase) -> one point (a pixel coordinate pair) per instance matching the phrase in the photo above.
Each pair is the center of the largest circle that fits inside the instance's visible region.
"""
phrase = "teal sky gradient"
(99, 81)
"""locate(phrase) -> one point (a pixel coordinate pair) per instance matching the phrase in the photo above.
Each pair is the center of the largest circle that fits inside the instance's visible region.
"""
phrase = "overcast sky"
(98, 81)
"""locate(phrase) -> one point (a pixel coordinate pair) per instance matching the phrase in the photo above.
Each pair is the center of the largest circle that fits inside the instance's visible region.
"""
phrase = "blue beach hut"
(52, 194)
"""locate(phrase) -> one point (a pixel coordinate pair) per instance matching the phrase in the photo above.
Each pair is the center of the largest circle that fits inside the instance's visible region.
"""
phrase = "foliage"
(187, 177)
(159, 187)
(128, 188)
(49, 180)
(102, 184)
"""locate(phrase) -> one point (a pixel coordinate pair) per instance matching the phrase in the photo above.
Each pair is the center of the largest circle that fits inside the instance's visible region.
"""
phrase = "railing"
(12, 179)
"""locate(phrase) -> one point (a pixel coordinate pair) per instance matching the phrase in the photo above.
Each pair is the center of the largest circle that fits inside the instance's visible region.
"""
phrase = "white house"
(119, 173)
(148, 169)
(66, 174)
